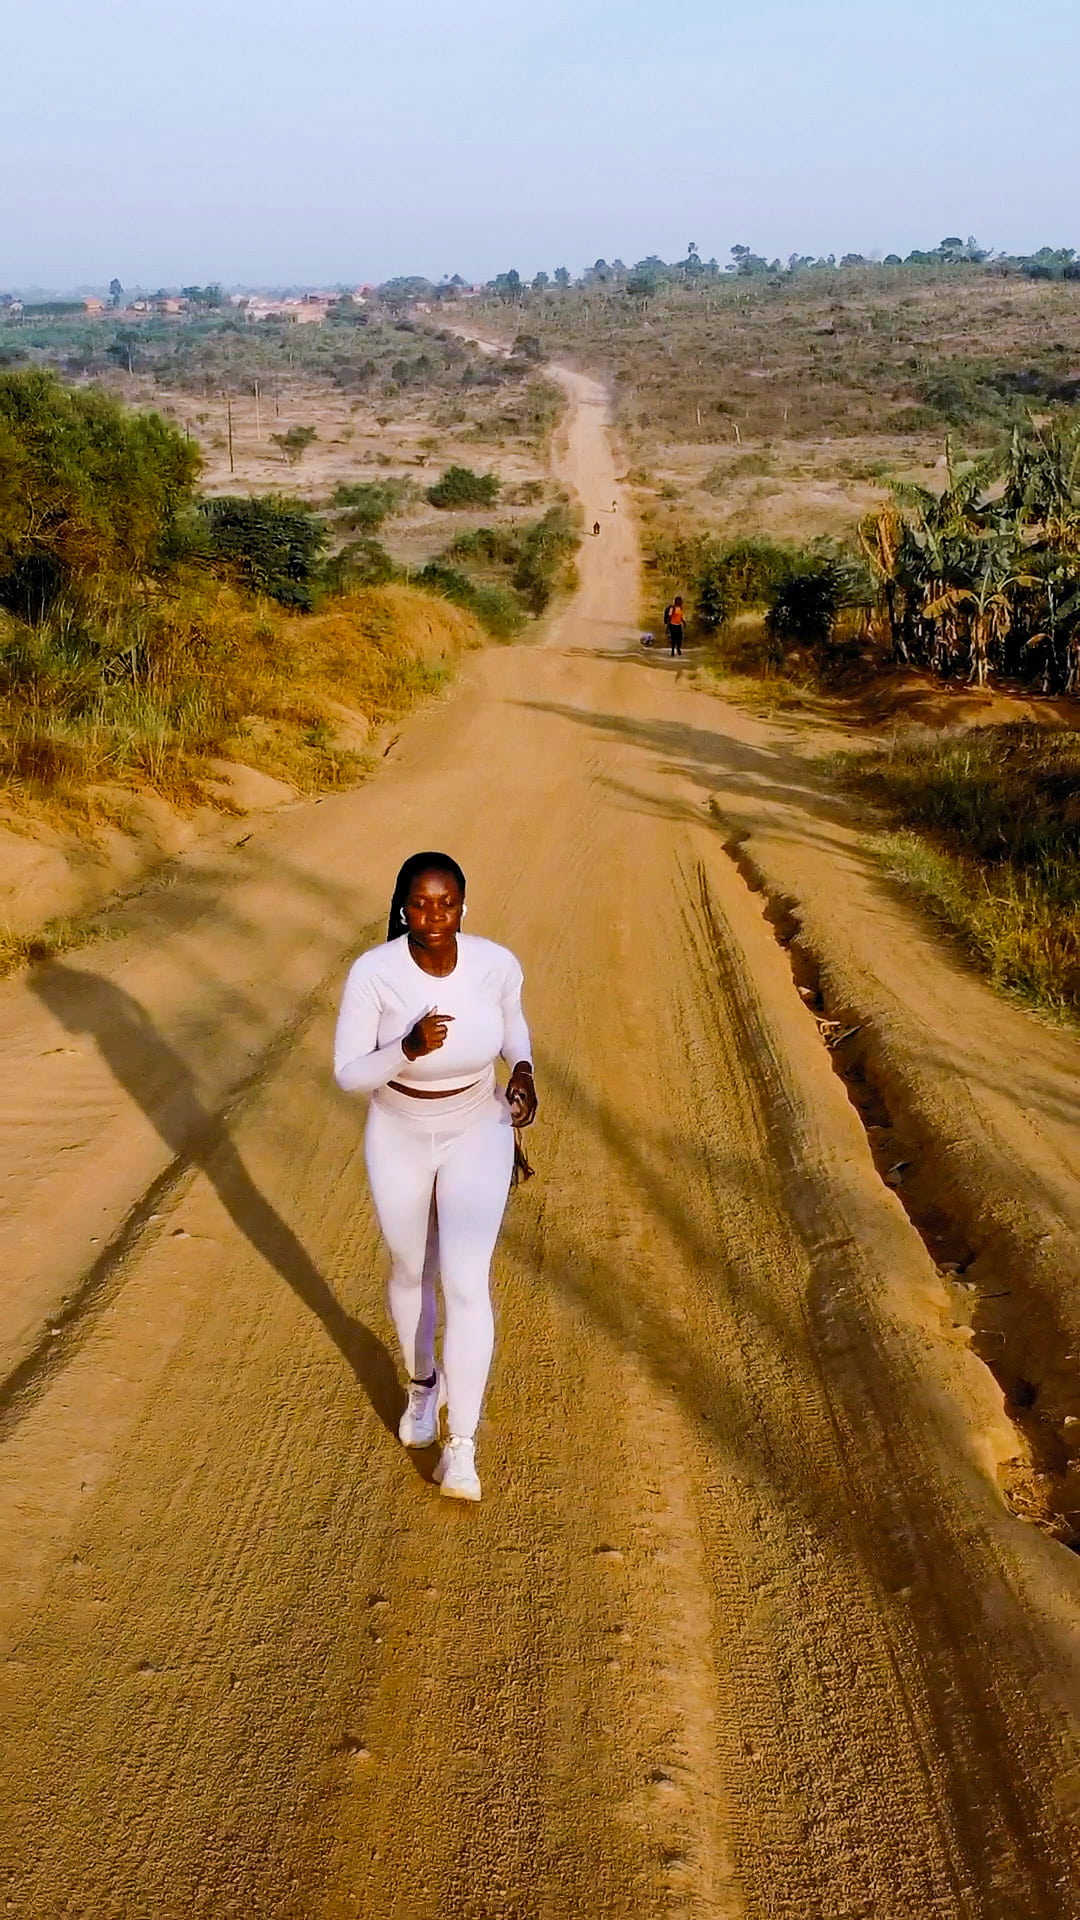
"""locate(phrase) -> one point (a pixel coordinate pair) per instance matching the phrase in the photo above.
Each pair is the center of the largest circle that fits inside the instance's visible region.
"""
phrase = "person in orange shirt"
(676, 621)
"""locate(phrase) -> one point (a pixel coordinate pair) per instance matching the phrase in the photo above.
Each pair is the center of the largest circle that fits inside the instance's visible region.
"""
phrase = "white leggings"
(440, 1193)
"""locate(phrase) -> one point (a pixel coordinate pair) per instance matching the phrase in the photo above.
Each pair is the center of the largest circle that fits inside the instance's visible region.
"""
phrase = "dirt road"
(743, 1626)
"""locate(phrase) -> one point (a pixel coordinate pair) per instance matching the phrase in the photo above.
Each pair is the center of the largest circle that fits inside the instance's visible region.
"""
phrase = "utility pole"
(258, 416)
(228, 404)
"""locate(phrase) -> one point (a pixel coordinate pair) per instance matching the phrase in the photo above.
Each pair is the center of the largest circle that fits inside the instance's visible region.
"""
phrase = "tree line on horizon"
(643, 278)
(654, 275)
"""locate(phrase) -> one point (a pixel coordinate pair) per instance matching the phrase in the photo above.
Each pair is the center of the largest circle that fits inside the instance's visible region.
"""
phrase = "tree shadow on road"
(160, 1083)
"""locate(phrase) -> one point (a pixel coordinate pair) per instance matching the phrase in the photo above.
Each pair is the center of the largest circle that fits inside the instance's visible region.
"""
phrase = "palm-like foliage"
(986, 574)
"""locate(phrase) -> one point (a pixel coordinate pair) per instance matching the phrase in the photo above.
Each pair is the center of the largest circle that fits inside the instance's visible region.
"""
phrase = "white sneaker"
(419, 1424)
(456, 1474)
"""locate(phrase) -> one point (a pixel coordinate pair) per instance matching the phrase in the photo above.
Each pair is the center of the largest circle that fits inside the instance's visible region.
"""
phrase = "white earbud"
(464, 911)
(403, 916)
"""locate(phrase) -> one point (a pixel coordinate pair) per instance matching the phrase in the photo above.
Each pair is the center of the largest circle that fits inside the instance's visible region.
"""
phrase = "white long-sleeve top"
(386, 993)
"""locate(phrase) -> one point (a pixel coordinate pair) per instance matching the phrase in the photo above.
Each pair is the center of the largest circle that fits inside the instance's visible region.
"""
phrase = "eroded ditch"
(1011, 1329)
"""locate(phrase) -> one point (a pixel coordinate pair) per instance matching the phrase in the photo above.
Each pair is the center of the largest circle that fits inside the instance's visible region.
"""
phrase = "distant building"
(307, 309)
(93, 304)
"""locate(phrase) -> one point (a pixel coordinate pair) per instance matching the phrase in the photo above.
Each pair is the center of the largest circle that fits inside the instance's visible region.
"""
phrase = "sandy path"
(742, 1627)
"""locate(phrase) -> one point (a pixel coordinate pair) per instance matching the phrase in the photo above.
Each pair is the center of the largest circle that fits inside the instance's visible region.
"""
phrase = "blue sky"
(266, 141)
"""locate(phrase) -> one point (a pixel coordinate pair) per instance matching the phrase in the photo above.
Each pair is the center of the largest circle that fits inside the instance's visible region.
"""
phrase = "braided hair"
(418, 863)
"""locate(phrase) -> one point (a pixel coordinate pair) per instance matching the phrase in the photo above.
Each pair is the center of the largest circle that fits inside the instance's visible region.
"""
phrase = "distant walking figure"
(675, 620)
(614, 506)
(423, 1019)
(596, 528)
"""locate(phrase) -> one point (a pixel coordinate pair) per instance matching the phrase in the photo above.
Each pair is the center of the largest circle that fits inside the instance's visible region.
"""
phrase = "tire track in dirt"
(966, 1714)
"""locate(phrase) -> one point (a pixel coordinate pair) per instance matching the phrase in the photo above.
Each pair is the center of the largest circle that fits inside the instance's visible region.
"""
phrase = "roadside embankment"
(970, 1104)
(115, 763)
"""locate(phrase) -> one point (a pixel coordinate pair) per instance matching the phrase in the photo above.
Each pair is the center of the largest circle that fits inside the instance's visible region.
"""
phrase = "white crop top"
(386, 993)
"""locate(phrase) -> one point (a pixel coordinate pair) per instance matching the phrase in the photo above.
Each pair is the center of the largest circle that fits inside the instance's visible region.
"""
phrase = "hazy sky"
(322, 140)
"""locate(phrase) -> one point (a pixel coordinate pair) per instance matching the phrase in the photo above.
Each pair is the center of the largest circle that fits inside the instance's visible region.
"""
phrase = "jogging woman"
(423, 1020)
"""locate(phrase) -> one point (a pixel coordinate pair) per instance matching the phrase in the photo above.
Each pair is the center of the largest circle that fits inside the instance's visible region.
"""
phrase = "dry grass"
(203, 674)
(991, 843)
(784, 410)
(55, 937)
(875, 351)
(1019, 936)
(764, 694)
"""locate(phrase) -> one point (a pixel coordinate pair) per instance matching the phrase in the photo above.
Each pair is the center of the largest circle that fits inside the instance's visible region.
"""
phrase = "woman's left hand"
(521, 1093)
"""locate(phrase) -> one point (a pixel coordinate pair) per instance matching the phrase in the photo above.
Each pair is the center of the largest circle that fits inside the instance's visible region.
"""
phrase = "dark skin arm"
(521, 1094)
(429, 1034)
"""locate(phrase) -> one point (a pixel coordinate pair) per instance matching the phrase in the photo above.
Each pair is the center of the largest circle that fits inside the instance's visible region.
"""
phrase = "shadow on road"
(845, 1451)
(157, 1079)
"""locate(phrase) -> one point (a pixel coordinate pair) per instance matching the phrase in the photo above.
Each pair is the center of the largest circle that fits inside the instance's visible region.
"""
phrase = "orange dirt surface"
(910, 698)
(745, 1624)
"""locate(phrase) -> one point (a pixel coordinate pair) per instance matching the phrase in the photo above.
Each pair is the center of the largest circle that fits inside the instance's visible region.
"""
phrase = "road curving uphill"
(744, 1625)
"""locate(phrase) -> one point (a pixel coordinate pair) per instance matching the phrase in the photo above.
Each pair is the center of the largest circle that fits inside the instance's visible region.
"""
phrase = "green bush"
(295, 443)
(728, 578)
(365, 504)
(491, 546)
(537, 558)
(274, 545)
(958, 397)
(86, 488)
(362, 563)
(497, 609)
(805, 606)
(713, 601)
(461, 487)
(545, 559)
(752, 570)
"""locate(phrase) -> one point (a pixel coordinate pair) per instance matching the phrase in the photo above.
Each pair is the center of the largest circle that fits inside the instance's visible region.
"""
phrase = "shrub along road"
(743, 1625)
